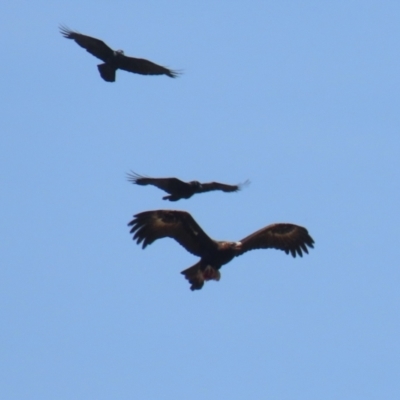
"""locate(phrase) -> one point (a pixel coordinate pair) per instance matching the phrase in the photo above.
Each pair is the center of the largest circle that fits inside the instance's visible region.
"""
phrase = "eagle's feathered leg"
(197, 275)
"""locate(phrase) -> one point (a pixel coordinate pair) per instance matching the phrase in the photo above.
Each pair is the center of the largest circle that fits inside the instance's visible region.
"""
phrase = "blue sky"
(302, 98)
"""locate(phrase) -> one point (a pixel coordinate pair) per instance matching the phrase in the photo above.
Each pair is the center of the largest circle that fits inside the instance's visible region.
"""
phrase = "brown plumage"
(114, 60)
(178, 189)
(149, 226)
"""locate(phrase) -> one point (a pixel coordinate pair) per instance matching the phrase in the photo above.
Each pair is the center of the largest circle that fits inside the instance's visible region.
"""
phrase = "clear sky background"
(300, 97)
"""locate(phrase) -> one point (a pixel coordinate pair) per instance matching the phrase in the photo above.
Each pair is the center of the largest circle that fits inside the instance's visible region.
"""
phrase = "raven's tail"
(107, 72)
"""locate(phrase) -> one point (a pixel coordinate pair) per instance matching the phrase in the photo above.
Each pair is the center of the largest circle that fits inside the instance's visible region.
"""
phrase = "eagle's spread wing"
(94, 46)
(169, 185)
(290, 238)
(144, 67)
(148, 226)
(207, 187)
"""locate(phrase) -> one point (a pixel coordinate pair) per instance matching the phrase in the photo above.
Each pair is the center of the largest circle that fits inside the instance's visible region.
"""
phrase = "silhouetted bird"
(148, 226)
(114, 60)
(182, 190)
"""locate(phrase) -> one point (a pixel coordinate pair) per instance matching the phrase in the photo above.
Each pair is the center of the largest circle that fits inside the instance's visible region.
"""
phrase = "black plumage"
(178, 189)
(114, 60)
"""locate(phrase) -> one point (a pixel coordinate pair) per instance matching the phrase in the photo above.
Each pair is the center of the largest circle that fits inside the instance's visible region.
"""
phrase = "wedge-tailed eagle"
(149, 226)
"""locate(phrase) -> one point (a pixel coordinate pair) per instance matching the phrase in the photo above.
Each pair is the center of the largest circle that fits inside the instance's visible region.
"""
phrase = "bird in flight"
(114, 60)
(178, 189)
(149, 226)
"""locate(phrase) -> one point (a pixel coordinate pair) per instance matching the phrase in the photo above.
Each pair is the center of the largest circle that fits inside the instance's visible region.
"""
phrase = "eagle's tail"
(107, 72)
(196, 275)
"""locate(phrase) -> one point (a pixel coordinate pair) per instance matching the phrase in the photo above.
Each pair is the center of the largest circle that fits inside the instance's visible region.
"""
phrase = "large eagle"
(148, 226)
(178, 189)
(114, 60)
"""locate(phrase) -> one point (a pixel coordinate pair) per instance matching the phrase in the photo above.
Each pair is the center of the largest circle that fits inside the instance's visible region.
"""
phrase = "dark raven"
(114, 60)
(148, 226)
(179, 189)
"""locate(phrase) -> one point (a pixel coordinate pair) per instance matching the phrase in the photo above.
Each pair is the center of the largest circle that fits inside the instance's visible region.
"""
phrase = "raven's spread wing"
(207, 187)
(94, 46)
(143, 67)
(290, 238)
(169, 185)
(148, 226)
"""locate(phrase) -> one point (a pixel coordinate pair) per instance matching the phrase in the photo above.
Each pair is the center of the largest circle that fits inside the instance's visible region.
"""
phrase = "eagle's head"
(119, 52)
(237, 245)
(231, 245)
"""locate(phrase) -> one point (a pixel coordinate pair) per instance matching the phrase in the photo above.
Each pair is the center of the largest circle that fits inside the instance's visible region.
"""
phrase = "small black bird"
(182, 190)
(114, 60)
